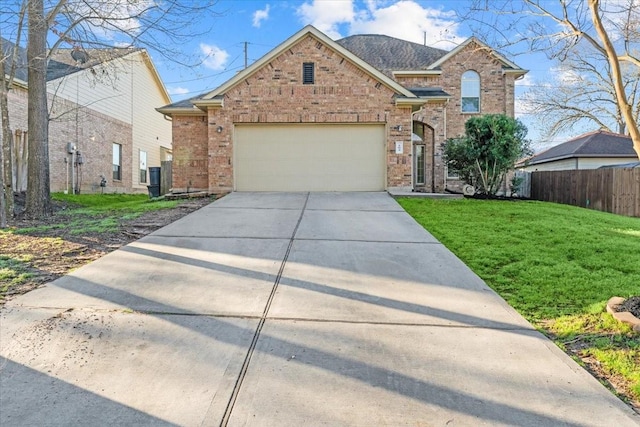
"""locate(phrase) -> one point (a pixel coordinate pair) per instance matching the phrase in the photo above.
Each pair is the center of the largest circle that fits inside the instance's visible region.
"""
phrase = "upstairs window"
(470, 92)
(308, 75)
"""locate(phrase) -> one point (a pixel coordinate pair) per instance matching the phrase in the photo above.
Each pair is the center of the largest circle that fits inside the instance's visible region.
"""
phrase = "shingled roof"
(389, 54)
(21, 63)
(61, 63)
(593, 144)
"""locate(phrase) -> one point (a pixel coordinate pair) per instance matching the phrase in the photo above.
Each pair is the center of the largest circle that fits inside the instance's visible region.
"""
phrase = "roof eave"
(579, 156)
(287, 44)
(205, 104)
(420, 101)
(20, 83)
(156, 76)
(517, 72)
(181, 111)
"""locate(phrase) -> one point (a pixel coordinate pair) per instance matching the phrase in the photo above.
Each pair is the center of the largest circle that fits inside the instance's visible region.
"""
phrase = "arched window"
(470, 92)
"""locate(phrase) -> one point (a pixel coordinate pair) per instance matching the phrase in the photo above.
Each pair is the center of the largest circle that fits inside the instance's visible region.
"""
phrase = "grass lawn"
(556, 264)
(43, 245)
(98, 213)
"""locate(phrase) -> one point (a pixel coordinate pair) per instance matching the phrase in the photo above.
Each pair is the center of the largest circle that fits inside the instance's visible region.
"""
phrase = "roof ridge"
(394, 38)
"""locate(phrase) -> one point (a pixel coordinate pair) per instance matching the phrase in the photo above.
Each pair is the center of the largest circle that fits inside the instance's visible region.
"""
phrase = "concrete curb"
(622, 316)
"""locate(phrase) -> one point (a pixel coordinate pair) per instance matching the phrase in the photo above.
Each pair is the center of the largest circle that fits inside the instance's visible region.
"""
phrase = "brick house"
(102, 120)
(365, 113)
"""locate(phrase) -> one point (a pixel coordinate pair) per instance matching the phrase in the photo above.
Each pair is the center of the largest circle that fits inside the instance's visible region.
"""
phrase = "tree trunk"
(6, 191)
(616, 73)
(38, 189)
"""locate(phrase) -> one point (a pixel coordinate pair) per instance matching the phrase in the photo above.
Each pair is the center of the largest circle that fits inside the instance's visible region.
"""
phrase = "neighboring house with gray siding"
(588, 151)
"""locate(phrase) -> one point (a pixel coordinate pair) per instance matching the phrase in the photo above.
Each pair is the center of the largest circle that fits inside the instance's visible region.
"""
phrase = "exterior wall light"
(219, 129)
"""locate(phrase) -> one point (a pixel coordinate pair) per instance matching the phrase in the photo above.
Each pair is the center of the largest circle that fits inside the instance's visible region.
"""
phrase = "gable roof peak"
(287, 44)
(491, 51)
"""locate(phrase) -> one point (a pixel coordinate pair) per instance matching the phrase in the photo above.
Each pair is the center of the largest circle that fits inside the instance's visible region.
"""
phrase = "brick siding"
(342, 93)
(93, 133)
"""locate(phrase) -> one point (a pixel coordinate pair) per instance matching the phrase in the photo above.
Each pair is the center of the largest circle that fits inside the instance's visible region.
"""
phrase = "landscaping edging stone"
(622, 316)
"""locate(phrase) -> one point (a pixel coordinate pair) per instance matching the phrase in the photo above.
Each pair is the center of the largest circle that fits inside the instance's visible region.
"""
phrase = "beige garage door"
(309, 157)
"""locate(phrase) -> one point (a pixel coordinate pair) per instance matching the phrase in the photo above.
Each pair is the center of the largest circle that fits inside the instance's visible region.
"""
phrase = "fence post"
(166, 180)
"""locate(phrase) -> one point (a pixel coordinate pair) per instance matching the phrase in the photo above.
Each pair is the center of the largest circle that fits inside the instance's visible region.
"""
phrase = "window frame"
(470, 77)
(116, 167)
(140, 176)
(420, 164)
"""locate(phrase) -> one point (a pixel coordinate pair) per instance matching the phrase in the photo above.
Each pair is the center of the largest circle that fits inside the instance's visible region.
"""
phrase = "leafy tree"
(489, 149)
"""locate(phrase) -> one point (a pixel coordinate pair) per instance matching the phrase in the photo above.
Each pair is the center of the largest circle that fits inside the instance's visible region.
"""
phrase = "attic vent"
(308, 77)
(318, 45)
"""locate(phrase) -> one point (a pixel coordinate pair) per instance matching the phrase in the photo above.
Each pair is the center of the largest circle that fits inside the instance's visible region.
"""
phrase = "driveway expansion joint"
(382, 323)
(245, 365)
(395, 242)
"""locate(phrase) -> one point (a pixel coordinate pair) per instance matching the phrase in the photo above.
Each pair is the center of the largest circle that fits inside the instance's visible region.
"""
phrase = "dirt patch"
(580, 347)
(49, 254)
(617, 384)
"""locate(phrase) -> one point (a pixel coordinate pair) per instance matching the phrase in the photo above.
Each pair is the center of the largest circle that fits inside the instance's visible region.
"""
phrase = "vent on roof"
(79, 56)
(308, 77)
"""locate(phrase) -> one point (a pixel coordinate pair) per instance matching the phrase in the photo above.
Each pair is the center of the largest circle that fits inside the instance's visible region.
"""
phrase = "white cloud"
(566, 76)
(260, 15)
(177, 90)
(215, 58)
(405, 19)
(408, 20)
(526, 81)
(327, 15)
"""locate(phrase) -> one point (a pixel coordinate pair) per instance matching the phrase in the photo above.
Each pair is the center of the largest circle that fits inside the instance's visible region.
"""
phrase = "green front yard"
(557, 265)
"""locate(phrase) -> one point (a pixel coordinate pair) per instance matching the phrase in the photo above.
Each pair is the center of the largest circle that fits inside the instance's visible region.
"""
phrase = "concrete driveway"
(281, 310)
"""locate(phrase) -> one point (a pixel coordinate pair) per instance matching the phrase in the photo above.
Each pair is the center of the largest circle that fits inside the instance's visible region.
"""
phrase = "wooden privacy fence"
(166, 180)
(615, 190)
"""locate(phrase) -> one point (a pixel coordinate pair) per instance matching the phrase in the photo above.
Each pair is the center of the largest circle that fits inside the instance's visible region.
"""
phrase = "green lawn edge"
(557, 265)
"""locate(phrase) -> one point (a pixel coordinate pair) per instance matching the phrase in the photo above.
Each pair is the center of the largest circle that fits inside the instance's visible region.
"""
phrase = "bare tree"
(582, 94)
(6, 135)
(6, 144)
(609, 27)
(38, 196)
(161, 27)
